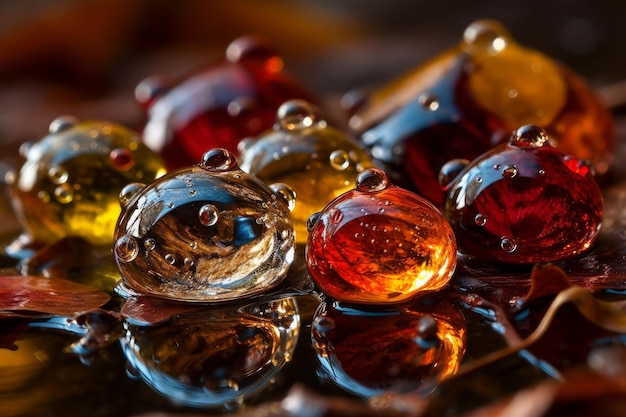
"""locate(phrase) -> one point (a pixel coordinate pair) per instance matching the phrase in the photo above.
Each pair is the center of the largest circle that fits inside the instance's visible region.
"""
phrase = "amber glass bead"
(469, 98)
(71, 179)
(214, 357)
(524, 202)
(217, 106)
(210, 232)
(317, 161)
(369, 353)
(379, 244)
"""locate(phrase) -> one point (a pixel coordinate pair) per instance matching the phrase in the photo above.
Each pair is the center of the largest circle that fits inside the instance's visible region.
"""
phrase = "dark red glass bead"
(524, 202)
(218, 106)
(468, 99)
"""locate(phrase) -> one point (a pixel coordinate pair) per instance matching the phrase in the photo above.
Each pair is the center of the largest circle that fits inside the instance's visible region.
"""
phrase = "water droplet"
(541, 172)
(208, 215)
(188, 263)
(529, 136)
(25, 148)
(427, 329)
(372, 179)
(241, 106)
(339, 160)
(193, 245)
(310, 223)
(170, 259)
(64, 194)
(245, 144)
(122, 159)
(149, 244)
(450, 170)
(485, 35)
(428, 102)
(479, 180)
(58, 175)
(43, 196)
(508, 245)
(170, 204)
(218, 159)
(509, 171)
(126, 248)
(335, 215)
(128, 192)
(192, 193)
(286, 193)
(480, 219)
(295, 115)
(323, 324)
(62, 123)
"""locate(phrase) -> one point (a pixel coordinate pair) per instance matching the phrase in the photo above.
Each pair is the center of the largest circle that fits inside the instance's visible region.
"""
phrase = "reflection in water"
(369, 352)
(214, 357)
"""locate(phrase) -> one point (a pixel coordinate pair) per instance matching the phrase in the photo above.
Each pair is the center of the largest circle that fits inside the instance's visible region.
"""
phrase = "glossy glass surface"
(524, 202)
(380, 244)
(466, 100)
(206, 233)
(71, 179)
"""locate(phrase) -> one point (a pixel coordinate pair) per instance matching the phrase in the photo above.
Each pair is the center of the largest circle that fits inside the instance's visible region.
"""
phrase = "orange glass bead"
(469, 98)
(379, 244)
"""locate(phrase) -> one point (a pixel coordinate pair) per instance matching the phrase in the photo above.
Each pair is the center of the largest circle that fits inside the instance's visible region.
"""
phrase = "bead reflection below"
(215, 357)
(373, 352)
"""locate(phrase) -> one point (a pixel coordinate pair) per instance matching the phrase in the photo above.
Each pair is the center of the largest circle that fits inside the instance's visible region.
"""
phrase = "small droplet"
(193, 245)
(450, 170)
(335, 215)
(170, 204)
(122, 159)
(428, 102)
(339, 160)
(43, 196)
(310, 223)
(295, 115)
(529, 136)
(485, 35)
(372, 179)
(58, 175)
(508, 245)
(62, 123)
(188, 263)
(245, 144)
(541, 172)
(208, 215)
(218, 159)
(192, 193)
(241, 106)
(286, 193)
(25, 148)
(427, 329)
(479, 180)
(323, 324)
(64, 194)
(509, 171)
(480, 219)
(170, 259)
(128, 192)
(149, 244)
(126, 248)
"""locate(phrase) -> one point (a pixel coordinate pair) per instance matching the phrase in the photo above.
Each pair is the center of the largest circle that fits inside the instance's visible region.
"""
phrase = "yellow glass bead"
(69, 184)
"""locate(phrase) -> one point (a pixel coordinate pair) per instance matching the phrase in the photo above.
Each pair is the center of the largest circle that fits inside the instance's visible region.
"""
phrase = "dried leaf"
(546, 280)
(51, 296)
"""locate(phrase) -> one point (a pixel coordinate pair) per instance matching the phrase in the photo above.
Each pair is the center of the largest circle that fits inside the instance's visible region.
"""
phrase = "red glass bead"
(217, 107)
(372, 353)
(468, 99)
(524, 202)
(379, 244)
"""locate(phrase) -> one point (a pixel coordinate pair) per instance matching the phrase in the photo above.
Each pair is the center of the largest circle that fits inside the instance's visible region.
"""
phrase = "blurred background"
(85, 57)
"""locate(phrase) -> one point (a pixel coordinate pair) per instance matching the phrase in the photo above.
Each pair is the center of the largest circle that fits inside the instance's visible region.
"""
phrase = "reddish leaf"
(48, 295)
(546, 280)
(153, 310)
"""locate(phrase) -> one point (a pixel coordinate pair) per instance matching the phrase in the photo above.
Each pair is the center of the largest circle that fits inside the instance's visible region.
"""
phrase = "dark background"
(85, 57)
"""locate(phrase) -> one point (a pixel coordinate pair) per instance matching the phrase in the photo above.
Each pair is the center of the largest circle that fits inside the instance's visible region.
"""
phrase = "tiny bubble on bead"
(208, 215)
(372, 179)
(295, 115)
(126, 248)
(218, 159)
(428, 102)
(508, 245)
(486, 35)
(149, 244)
(58, 175)
(170, 259)
(64, 194)
(480, 219)
(62, 123)
(286, 193)
(509, 171)
(529, 136)
(339, 160)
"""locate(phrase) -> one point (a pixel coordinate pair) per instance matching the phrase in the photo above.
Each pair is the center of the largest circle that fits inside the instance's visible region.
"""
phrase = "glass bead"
(524, 202)
(217, 106)
(370, 353)
(317, 161)
(217, 356)
(468, 99)
(210, 232)
(71, 179)
(380, 244)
